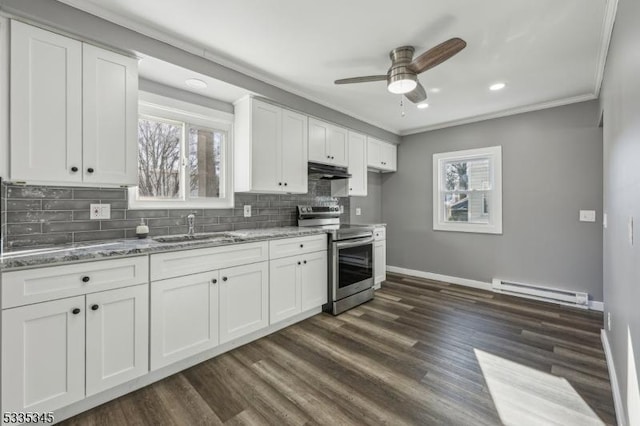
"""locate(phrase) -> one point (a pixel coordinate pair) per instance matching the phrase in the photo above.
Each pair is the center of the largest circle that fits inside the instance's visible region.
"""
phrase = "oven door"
(353, 266)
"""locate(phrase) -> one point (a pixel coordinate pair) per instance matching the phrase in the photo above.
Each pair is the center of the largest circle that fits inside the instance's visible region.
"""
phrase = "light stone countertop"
(71, 253)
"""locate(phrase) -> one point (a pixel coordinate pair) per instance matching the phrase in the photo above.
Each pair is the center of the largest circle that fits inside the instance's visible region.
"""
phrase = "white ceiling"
(549, 52)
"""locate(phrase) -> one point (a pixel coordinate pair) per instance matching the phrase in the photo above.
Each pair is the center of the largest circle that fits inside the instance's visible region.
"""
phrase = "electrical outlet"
(247, 210)
(358, 211)
(604, 220)
(587, 215)
(100, 211)
(341, 209)
(608, 321)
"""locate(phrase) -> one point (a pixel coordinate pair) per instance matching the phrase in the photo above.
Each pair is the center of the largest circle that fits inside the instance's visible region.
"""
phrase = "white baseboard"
(594, 305)
(615, 387)
(445, 278)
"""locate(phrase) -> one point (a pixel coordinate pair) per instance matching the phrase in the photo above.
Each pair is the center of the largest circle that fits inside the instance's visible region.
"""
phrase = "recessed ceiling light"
(195, 83)
(435, 90)
(497, 86)
(423, 105)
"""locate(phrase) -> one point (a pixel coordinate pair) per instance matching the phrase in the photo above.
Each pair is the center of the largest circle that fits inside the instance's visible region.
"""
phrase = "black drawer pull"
(301, 245)
(94, 307)
(90, 170)
(298, 262)
(224, 278)
(85, 279)
(75, 311)
(305, 262)
(74, 169)
(214, 281)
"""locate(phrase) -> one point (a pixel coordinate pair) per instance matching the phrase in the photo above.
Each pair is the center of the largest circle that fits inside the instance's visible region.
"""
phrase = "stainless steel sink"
(213, 236)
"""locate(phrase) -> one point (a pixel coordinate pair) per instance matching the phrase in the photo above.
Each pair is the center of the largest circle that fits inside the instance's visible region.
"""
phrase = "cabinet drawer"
(380, 233)
(55, 282)
(186, 262)
(298, 245)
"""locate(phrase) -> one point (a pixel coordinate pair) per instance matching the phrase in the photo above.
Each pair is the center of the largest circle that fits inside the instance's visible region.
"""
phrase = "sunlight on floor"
(525, 396)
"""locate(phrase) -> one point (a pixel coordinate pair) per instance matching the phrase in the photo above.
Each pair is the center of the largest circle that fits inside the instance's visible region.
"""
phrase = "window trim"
(192, 115)
(494, 154)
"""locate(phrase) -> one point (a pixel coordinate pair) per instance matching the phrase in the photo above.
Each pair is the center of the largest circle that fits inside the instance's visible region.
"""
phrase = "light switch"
(604, 220)
(358, 211)
(247, 210)
(587, 215)
(630, 226)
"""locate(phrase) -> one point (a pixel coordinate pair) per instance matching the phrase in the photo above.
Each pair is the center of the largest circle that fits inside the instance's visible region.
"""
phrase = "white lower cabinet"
(184, 317)
(296, 284)
(117, 337)
(244, 300)
(43, 360)
(380, 256)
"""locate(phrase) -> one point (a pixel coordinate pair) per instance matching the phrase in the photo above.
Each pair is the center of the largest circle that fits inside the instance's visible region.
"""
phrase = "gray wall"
(552, 168)
(371, 205)
(620, 101)
(91, 28)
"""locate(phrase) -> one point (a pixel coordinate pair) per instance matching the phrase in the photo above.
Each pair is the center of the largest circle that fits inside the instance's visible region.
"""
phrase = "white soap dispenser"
(142, 230)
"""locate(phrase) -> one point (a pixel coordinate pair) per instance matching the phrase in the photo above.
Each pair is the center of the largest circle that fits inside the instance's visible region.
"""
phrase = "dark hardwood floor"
(423, 352)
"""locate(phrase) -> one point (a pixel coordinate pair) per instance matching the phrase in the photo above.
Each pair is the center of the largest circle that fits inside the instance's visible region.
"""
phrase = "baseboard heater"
(547, 294)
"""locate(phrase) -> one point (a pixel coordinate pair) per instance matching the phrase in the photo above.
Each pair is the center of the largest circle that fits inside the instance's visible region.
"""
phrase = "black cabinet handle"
(350, 189)
(74, 169)
(332, 157)
(214, 281)
(279, 183)
(94, 307)
(305, 262)
(224, 278)
(90, 170)
(298, 262)
(75, 311)
(329, 157)
(285, 184)
(85, 279)
(301, 245)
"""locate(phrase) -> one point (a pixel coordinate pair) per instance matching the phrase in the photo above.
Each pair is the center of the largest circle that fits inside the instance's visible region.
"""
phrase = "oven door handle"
(354, 243)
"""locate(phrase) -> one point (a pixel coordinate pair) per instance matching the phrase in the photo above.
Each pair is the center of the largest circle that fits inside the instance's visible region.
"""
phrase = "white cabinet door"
(357, 184)
(184, 317)
(337, 147)
(43, 355)
(381, 155)
(318, 137)
(380, 253)
(45, 105)
(117, 337)
(284, 288)
(110, 117)
(315, 286)
(374, 153)
(244, 300)
(266, 133)
(389, 152)
(293, 152)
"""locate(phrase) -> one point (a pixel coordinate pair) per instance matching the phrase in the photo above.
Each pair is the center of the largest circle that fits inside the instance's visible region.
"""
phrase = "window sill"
(134, 204)
(475, 228)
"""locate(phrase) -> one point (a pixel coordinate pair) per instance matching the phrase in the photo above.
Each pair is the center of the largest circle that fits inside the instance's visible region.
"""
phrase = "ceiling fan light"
(401, 82)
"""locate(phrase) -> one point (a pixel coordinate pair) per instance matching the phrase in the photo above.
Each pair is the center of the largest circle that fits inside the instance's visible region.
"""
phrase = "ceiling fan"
(402, 77)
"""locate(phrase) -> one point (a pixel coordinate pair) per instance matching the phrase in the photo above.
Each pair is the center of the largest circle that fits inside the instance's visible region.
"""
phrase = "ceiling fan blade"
(361, 79)
(437, 55)
(417, 95)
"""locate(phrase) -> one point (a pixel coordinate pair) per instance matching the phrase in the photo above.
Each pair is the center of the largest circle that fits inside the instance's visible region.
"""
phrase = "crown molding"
(605, 37)
(503, 113)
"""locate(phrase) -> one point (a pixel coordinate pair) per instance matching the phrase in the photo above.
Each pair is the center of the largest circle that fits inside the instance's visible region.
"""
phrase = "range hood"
(325, 171)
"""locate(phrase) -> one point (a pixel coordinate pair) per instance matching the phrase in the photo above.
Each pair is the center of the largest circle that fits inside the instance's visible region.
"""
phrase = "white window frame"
(494, 154)
(164, 108)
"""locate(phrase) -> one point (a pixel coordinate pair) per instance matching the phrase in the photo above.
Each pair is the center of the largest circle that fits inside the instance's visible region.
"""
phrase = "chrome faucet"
(191, 221)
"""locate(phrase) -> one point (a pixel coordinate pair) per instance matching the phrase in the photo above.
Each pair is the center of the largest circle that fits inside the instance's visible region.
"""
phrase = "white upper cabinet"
(73, 111)
(110, 117)
(328, 143)
(270, 148)
(381, 155)
(357, 184)
(45, 105)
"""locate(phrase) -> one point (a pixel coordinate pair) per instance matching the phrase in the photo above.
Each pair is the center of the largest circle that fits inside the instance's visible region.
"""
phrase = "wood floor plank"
(408, 357)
